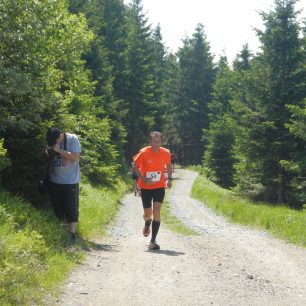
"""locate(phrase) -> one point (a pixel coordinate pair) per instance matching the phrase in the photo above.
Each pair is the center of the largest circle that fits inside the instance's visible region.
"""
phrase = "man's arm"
(169, 172)
(139, 174)
(68, 155)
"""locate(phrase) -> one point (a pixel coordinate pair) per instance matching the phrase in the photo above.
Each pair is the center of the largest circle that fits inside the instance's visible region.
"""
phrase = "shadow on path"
(166, 252)
(89, 246)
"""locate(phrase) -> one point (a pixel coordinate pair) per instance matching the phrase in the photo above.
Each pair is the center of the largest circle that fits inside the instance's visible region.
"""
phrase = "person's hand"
(147, 181)
(56, 147)
(169, 183)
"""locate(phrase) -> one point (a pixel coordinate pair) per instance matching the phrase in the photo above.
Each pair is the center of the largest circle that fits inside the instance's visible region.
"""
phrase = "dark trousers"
(65, 201)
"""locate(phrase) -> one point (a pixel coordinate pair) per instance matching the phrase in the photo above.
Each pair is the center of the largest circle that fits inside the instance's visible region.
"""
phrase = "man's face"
(60, 138)
(156, 142)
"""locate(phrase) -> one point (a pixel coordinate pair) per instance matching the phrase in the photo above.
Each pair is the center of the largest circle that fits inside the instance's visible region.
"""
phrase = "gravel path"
(225, 265)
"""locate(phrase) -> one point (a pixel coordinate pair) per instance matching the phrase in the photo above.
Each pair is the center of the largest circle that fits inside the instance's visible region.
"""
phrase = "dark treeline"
(98, 69)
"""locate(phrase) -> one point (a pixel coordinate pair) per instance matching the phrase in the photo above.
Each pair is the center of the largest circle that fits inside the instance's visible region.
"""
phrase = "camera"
(51, 153)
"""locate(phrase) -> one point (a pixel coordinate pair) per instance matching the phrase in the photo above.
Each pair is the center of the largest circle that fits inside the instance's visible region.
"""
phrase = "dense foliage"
(260, 107)
(98, 69)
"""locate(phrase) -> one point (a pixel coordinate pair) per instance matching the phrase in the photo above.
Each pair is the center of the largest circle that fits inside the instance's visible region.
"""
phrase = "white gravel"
(225, 265)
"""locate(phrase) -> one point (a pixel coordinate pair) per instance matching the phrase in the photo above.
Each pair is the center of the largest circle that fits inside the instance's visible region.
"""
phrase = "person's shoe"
(135, 193)
(147, 229)
(154, 246)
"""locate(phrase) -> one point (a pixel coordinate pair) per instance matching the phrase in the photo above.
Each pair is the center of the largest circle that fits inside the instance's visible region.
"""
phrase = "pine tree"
(170, 94)
(104, 18)
(242, 61)
(140, 91)
(158, 72)
(196, 79)
(264, 141)
(218, 159)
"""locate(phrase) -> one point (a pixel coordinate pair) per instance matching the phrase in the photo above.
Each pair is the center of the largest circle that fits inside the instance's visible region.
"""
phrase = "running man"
(149, 165)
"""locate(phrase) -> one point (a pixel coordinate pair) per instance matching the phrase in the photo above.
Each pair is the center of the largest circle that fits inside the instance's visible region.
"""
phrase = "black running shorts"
(147, 195)
(65, 201)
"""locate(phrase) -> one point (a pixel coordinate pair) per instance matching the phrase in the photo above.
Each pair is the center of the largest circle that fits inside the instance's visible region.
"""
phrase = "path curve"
(225, 265)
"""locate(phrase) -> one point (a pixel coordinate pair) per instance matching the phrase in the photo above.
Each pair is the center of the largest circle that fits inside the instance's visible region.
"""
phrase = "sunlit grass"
(35, 256)
(280, 221)
(98, 208)
(171, 221)
(29, 241)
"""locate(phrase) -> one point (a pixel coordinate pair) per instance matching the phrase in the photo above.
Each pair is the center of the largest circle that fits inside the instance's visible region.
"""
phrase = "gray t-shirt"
(65, 171)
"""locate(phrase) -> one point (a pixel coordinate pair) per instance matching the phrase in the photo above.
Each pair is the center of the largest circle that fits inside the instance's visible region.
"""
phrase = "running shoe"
(154, 246)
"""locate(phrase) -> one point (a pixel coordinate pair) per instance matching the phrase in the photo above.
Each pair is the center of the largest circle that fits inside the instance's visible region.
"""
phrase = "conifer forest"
(100, 70)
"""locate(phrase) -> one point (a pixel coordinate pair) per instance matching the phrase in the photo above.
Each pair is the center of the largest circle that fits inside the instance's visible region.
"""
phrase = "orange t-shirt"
(152, 165)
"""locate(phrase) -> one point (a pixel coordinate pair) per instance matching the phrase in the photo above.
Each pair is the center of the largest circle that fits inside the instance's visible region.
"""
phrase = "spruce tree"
(218, 158)
(196, 79)
(273, 83)
(104, 60)
(140, 91)
(158, 72)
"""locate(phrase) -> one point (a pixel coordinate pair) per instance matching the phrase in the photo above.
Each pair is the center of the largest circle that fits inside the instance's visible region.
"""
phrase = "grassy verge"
(280, 221)
(34, 257)
(98, 208)
(171, 221)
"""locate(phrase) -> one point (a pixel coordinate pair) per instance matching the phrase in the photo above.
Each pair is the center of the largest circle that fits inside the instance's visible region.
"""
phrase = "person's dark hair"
(155, 133)
(52, 135)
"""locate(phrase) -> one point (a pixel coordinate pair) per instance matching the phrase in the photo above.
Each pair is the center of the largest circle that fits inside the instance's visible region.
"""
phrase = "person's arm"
(68, 155)
(139, 174)
(169, 172)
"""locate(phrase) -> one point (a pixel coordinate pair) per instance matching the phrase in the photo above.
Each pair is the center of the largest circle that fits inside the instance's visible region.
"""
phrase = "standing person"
(64, 175)
(150, 163)
(135, 179)
(173, 158)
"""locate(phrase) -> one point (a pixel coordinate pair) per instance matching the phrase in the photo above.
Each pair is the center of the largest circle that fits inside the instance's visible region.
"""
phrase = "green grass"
(98, 208)
(172, 222)
(34, 257)
(280, 221)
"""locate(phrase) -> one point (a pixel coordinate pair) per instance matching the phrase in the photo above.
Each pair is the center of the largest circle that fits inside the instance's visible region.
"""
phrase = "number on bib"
(154, 176)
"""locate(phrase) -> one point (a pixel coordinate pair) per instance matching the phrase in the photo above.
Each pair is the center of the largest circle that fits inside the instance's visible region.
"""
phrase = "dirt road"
(225, 265)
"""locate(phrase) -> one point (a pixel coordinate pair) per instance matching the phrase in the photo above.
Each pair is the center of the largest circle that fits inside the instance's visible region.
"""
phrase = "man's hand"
(169, 183)
(56, 148)
(66, 154)
(147, 181)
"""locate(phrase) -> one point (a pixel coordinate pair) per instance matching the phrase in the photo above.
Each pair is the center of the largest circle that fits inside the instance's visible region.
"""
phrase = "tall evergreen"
(296, 166)
(242, 61)
(196, 79)
(264, 141)
(218, 157)
(158, 72)
(140, 91)
(104, 61)
(170, 94)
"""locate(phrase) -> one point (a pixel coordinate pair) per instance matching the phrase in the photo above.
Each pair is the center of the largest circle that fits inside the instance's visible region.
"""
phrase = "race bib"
(154, 176)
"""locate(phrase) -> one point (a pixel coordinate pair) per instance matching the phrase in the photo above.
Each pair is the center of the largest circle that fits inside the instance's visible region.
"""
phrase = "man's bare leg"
(148, 219)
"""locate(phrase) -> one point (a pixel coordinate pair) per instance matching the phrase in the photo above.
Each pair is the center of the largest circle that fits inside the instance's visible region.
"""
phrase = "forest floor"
(225, 264)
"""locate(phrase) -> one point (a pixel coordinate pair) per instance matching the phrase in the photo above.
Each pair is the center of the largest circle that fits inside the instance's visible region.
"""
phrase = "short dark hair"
(52, 135)
(155, 133)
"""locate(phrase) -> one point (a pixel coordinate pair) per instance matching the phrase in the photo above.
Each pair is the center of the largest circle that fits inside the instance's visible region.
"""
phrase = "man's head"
(53, 136)
(155, 139)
